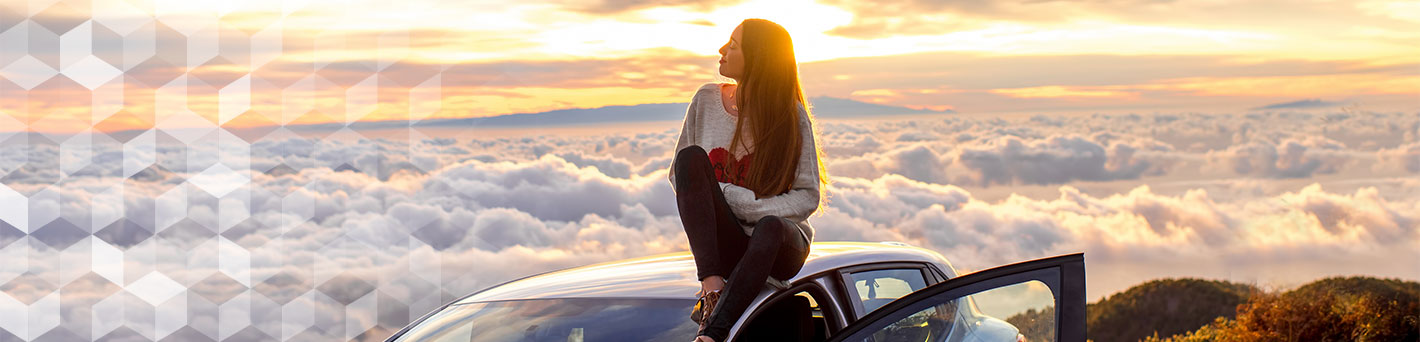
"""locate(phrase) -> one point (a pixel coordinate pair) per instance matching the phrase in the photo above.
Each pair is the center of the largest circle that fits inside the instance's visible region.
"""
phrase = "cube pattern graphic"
(153, 109)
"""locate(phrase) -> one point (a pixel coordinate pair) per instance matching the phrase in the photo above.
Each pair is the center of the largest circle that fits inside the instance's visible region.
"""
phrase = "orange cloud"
(1059, 91)
(1292, 86)
(502, 58)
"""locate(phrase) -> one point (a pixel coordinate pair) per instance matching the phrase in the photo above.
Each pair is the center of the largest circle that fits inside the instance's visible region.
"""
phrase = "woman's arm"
(802, 199)
(687, 132)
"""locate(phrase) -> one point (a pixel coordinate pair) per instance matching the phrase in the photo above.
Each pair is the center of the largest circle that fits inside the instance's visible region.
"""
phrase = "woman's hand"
(732, 190)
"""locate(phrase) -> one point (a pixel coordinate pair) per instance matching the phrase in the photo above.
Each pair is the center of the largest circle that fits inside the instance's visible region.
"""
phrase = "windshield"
(559, 320)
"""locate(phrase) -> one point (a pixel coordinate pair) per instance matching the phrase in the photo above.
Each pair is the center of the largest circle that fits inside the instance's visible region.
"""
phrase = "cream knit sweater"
(708, 125)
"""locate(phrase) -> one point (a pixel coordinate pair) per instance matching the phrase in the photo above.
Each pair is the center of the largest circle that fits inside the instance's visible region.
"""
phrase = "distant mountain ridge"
(1189, 310)
(821, 106)
(1332, 309)
(1162, 307)
(841, 108)
(1165, 307)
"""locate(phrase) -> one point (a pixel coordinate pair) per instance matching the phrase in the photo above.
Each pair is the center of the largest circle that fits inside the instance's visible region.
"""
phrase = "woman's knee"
(692, 153)
(769, 220)
(690, 159)
(771, 224)
(792, 249)
(786, 230)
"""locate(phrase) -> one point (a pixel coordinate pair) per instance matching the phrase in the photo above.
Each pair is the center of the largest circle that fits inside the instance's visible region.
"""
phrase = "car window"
(876, 288)
(930, 324)
(558, 320)
(1020, 311)
(1029, 306)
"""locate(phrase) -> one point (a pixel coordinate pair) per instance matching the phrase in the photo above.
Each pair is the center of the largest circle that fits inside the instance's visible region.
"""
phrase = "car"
(846, 291)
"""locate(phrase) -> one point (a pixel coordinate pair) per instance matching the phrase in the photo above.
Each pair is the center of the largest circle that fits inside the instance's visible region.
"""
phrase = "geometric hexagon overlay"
(133, 135)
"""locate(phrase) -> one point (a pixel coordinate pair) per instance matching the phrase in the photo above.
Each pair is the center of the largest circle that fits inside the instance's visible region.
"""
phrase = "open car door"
(1038, 300)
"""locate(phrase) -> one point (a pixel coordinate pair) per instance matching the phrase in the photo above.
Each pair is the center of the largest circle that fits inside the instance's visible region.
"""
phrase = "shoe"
(704, 307)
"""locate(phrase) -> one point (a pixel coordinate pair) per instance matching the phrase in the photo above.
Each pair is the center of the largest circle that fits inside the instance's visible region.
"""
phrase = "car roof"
(672, 276)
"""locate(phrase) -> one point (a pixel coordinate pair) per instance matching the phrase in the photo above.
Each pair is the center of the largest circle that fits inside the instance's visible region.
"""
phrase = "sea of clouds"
(336, 235)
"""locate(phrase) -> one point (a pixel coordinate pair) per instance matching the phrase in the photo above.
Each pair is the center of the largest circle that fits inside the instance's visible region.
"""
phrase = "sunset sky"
(1270, 143)
(281, 62)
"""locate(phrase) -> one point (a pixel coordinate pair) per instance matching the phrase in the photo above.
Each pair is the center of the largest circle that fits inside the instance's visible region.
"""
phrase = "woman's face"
(732, 58)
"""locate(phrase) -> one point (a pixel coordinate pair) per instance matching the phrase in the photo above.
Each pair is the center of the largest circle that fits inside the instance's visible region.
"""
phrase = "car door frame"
(1064, 275)
(834, 322)
(848, 296)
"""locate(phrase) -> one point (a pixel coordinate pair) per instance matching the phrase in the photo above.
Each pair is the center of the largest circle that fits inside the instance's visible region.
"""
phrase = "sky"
(154, 182)
(279, 61)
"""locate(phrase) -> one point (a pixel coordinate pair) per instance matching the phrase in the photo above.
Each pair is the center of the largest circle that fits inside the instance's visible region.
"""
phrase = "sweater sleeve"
(687, 132)
(799, 203)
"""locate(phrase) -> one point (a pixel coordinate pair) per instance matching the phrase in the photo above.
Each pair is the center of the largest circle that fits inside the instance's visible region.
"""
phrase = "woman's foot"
(701, 313)
(709, 295)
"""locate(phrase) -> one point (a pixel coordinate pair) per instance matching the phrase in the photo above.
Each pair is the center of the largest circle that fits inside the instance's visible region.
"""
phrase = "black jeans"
(716, 240)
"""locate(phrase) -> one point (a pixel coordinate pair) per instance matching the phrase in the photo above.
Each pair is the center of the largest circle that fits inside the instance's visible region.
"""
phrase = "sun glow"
(802, 18)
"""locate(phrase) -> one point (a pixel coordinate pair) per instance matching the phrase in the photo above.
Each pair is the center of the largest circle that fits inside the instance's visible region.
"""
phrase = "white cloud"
(1290, 158)
(1405, 157)
(464, 214)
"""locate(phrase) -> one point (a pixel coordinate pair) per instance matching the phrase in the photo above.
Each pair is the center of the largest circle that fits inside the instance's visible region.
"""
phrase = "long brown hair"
(768, 97)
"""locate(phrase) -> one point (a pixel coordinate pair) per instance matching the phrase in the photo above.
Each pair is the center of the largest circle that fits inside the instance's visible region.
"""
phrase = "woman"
(744, 204)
